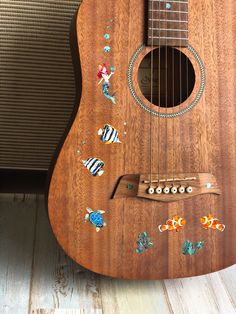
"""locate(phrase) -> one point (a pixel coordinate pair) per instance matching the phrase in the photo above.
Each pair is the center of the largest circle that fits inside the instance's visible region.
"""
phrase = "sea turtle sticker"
(95, 218)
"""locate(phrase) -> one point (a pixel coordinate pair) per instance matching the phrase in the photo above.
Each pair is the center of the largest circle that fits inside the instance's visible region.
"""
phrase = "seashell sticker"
(94, 165)
(109, 134)
(176, 223)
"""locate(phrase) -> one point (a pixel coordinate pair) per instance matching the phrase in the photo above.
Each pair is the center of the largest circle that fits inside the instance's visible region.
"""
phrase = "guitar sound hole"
(173, 77)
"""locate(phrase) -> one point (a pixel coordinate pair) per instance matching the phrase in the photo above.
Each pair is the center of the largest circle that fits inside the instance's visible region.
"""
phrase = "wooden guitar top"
(101, 208)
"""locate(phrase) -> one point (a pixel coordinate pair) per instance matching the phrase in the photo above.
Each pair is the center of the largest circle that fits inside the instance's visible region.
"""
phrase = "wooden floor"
(37, 277)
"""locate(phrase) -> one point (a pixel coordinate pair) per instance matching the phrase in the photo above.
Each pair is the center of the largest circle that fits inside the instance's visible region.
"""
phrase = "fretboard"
(168, 23)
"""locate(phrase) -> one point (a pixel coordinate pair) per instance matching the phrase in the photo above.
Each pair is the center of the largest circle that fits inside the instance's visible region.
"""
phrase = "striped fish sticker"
(94, 165)
(109, 134)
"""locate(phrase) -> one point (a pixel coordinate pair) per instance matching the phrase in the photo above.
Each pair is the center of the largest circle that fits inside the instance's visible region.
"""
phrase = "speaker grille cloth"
(37, 87)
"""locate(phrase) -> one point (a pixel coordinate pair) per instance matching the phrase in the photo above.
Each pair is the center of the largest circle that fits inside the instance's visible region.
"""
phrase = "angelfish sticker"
(108, 134)
(104, 77)
(94, 165)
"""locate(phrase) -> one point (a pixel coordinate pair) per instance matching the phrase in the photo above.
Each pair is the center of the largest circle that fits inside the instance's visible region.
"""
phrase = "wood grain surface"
(202, 140)
(37, 277)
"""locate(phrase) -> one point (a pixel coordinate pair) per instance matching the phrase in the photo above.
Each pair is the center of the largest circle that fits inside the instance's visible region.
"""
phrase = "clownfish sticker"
(104, 77)
(176, 223)
(209, 222)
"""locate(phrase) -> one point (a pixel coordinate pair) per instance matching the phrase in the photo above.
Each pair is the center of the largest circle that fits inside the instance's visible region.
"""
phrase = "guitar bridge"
(166, 188)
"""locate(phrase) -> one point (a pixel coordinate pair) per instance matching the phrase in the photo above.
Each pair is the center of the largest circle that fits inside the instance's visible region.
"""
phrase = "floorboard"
(17, 225)
(58, 282)
(203, 294)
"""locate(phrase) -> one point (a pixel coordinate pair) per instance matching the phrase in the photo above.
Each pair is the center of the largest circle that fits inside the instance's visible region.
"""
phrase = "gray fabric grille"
(37, 86)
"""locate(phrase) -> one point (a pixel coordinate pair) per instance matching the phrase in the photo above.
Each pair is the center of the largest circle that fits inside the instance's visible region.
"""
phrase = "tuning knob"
(158, 190)
(181, 189)
(151, 190)
(166, 190)
(174, 190)
(189, 189)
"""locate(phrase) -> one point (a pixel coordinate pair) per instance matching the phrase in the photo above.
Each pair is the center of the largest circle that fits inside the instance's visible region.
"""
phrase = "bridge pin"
(181, 189)
(151, 190)
(174, 190)
(158, 190)
(166, 190)
(189, 189)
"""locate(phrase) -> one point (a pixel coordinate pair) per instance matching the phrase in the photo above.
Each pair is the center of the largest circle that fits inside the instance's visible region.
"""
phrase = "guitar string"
(173, 122)
(151, 97)
(159, 93)
(166, 98)
(187, 80)
(180, 56)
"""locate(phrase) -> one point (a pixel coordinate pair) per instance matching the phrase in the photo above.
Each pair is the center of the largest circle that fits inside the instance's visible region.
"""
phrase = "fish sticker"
(95, 218)
(209, 222)
(176, 223)
(109, 134)
(143, 243)
(104, 77)
(189, 248)
(94, 165)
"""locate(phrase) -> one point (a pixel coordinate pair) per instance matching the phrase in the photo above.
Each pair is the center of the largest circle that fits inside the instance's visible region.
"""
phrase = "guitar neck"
(167, 23)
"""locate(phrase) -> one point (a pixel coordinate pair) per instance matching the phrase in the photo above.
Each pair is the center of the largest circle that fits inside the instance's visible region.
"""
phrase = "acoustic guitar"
(144, 186)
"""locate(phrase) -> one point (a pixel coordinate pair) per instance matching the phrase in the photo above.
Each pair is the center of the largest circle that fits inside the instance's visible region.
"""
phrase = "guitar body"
(198, 140)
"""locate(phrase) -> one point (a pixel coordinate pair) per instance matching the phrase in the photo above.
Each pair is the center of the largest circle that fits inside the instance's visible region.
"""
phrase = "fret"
(171, 1)
(169, 16)
(168, 11)
(163, 20)
(169, 29)
(180, 38)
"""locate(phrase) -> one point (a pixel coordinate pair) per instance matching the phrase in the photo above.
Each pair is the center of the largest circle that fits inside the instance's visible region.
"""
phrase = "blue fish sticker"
(109, 134)
(94, 165)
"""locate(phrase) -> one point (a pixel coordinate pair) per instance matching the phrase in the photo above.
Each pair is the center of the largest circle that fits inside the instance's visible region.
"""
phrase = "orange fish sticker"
(176, 223)
(210, 222)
